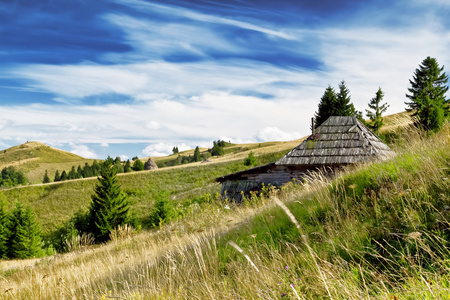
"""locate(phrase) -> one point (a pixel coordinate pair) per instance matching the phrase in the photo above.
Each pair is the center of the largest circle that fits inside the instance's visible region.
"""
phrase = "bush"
(250, 160)
(163, 211)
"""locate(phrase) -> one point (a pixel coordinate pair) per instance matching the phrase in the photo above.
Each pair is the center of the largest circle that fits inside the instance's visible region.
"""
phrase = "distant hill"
(33, 158)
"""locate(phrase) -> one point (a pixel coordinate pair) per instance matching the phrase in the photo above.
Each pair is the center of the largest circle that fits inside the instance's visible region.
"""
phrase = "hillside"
(33, 158)
(183, 182)
(379, 231)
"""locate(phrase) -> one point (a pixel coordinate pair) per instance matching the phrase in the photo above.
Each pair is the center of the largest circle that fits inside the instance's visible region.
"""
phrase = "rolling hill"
(33, 158)
(378, 231)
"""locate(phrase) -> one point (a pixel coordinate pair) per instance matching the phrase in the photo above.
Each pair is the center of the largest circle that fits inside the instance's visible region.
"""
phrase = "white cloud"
(153, 125)
(83, 151)
(124, 157)
(163, 149)
(269, 134)
(4, 123)
(196, 16)
(202, 101)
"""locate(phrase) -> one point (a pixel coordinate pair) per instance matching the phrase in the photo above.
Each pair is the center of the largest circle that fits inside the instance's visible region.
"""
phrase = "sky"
(138, 77)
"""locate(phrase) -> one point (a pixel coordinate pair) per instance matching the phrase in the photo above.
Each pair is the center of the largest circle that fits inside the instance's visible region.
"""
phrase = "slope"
(33, 158)
(378, 232)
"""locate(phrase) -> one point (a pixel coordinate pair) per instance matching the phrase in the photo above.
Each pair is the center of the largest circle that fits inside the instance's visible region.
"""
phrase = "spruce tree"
(427, 95)
(25, 235)
(343, 105)
(72, 174)
(80, 172)
(109, 207)
(46, 178)
(4, 231)
(375, 112)
(57, 176)
(197, 156)
(127, 167)
(63, 176)
(326, 107)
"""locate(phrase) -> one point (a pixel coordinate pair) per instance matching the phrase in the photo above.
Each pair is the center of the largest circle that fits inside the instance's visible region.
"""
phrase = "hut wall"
(276, 176)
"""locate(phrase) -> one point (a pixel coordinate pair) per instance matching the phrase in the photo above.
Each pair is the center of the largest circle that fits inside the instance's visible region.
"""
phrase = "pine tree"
(197, 155)
(4, 231)
(250, 160)
(118, 167)
(80, 172)
(343, 105)
(162, 211)
(63, 176)
(25, 235)
(46, 178)
(57, 176)
(127, 167)
(428, 101)
(109, 207)
(95, 168)
(87, 171)
(375, 112)
(326, 107)
(72, 174)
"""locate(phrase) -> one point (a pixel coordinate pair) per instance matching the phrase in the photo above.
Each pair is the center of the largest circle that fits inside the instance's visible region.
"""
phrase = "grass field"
(378, 231)
(33, 158)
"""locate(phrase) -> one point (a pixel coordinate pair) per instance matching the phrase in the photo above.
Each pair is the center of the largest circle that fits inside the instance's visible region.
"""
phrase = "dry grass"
(191, 258)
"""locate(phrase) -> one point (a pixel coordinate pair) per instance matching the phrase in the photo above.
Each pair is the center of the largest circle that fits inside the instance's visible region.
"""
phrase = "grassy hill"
(33, 158)
(379, 231)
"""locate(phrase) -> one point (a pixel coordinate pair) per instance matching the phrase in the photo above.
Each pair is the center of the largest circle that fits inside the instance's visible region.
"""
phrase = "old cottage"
(338, 142)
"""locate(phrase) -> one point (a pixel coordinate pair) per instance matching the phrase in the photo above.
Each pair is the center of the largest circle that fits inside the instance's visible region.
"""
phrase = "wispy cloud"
(190, 73)
(174, 11)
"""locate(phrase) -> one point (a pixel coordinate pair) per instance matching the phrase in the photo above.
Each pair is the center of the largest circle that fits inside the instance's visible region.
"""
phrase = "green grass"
(33, 158)
(378, 231)
(56, 203)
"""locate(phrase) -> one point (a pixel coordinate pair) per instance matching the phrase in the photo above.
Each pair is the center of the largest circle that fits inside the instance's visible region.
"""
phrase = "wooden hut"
(338, 142)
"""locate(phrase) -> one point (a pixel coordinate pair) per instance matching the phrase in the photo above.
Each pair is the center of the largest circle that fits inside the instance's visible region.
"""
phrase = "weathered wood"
(337, 142)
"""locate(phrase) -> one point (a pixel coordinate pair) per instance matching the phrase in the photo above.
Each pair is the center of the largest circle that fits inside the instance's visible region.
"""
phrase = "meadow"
(377, 231)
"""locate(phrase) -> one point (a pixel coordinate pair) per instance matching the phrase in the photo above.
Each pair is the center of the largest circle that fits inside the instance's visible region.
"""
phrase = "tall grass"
(378, 231)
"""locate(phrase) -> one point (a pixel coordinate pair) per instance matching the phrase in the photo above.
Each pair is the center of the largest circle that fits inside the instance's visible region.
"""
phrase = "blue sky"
(137, 77)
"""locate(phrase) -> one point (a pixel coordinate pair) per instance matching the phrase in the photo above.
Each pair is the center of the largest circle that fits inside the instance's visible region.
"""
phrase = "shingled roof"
(339, 140)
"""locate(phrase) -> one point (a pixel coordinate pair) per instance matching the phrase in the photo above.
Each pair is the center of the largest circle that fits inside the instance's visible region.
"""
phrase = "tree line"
(11, 177)
(94, 169)
(428, 103)
(216, 150)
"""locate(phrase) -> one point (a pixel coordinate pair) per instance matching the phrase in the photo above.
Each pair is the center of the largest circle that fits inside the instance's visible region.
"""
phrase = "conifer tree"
(427, 95)
(109, 207)
(80, 172)
(127, 167)
(4, 231)
(251, 160)
(57, 176)
(46, 178)
(197, 156)
(343, 105)
(25, 235)
(118, 167)
(326, 107)
(72, 174)
(375, 112)
(87, 171)
(63, 176)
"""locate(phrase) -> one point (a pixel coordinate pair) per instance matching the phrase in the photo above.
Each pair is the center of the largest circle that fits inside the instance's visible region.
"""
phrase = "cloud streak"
(191, 72)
